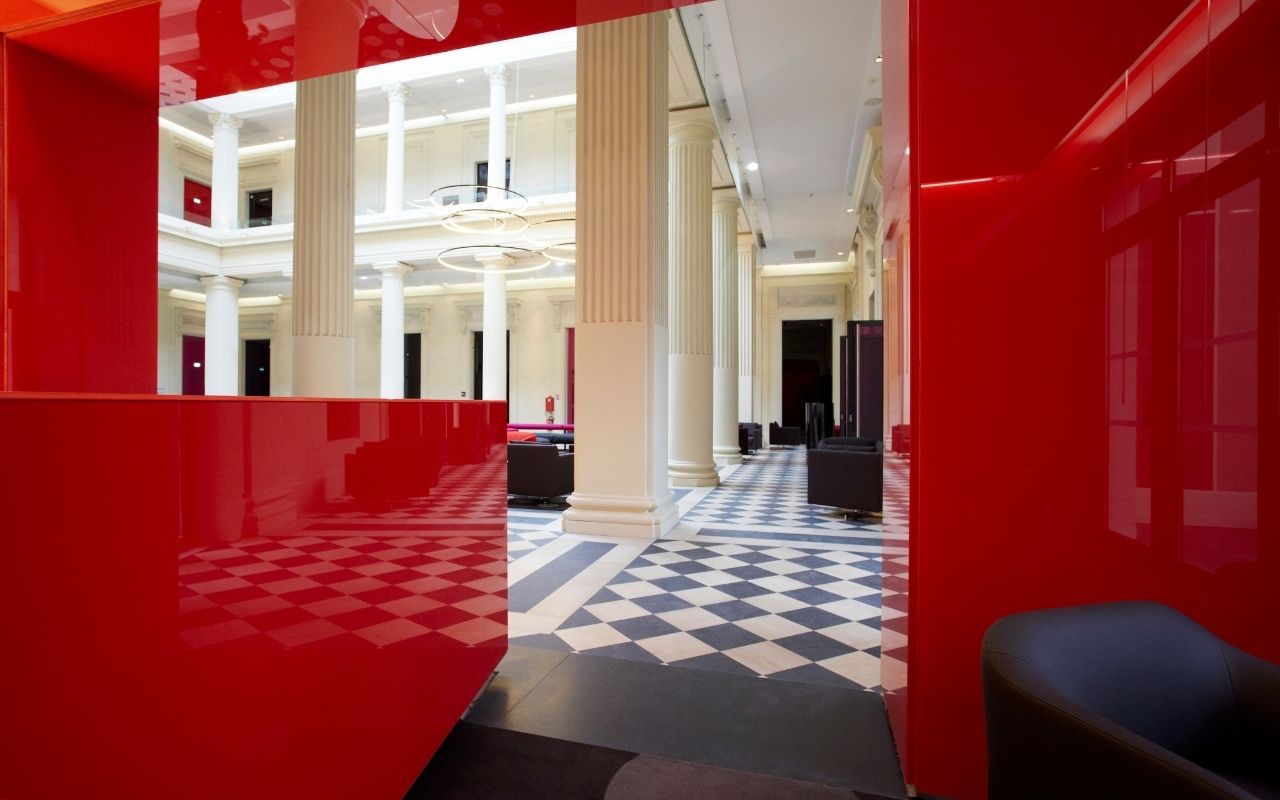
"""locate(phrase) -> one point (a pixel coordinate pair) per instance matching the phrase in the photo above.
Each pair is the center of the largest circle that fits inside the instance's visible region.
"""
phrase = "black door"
(477, 378)
(806, 370)
(412, 366)
(257, 367)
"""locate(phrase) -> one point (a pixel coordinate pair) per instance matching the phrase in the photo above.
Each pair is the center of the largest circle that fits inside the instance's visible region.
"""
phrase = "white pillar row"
(225, 214)
(392, 361)
(724, 336)
(221, 334)
(324, 238)
(620, 470)
(397, 93)
(494, 377)
(747, 411)
(690, 461)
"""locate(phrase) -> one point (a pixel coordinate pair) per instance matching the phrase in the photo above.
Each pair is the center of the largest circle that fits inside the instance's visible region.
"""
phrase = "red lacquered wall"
(244, 598)
(1095, 236)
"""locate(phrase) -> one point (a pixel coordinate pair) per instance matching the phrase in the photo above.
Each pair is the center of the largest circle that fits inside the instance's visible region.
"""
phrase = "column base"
(622, 517)
(692, 475)
(726, 456)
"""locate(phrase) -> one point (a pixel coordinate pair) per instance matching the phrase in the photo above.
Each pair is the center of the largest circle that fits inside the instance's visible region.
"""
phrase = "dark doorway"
(257, 367)
(259, 208)
(193, 365)
(197, 202)
(806, 370)
(482, 179)
(412, 366)
(477, 379)
(568, 407)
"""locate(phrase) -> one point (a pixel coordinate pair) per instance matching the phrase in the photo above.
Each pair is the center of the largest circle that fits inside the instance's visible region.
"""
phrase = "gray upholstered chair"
(1126, 700)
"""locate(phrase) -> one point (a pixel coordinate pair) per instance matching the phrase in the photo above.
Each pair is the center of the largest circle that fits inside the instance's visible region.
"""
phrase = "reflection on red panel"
(241, 598)
(214, 47)
(1126, 250)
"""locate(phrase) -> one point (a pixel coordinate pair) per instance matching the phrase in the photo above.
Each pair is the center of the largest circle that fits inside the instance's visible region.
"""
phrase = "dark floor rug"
(477, 762)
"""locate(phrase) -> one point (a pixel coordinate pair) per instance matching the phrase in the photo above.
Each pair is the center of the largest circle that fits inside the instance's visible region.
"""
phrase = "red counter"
(209, 597)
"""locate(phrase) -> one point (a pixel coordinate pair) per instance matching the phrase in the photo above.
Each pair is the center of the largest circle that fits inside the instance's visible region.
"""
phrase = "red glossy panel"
(244, 598)
(214, 47)
(1115, 214)
(80, 209)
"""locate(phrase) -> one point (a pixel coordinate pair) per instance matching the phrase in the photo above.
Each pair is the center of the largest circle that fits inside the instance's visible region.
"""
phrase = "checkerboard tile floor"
(377, 592)
(792, 607)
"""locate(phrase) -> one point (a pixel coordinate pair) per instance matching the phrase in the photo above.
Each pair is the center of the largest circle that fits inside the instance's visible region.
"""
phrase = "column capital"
(222, 282)
(725, 202)
(498, 73)
(397, 91)
(691, 131)
(225, 122)
(396, 269)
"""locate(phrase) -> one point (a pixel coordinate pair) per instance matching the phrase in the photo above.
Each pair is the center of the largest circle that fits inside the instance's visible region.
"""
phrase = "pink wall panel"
(1095, 233)
(234, 598)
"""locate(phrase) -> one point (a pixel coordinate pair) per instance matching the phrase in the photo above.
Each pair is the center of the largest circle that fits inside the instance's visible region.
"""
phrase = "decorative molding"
(497, 73)
(559, 303)
(417, 318)
(397, 92)
(225, 123)
(258, 325)
(819, 296)
(471, 315)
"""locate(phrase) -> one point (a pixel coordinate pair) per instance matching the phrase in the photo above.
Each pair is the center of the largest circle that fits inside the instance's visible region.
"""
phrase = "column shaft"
(225, 214)
(690, 456)
(620, 470)
(396, 96)
(221, 335)
(747, 411)
(494, 377)
(324, 241)
(724, 319)
(392, 361)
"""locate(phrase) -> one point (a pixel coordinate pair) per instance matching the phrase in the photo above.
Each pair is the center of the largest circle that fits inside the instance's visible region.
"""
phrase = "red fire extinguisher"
(549, 405)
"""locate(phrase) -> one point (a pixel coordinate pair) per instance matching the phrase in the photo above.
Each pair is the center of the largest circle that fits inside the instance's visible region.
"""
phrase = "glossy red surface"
(1094, 227)
(243, 598)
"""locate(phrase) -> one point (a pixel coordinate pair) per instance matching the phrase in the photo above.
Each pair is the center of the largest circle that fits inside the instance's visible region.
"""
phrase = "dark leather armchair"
(846, 477)
(779, 435)
(750, 437)
(1126, 700)
(537, 469)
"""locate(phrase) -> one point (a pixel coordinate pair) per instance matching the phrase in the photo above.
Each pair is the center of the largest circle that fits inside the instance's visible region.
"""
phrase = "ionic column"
(323, 240)
(494, 379)
(397, 93)
(225, 213)
(392, 364)
(620, 470)
(724, 336)
(221, 334)
(746, 328)
(689, 443)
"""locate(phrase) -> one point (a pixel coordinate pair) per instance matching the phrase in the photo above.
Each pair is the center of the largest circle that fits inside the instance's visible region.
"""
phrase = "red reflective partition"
(1094, 230)
(244, 598)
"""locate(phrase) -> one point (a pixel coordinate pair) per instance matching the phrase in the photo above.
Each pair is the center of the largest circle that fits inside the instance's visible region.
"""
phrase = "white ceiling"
(796, 93)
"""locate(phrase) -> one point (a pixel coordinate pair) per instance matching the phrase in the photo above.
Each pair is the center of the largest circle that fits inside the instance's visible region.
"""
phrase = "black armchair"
(1126, 700)
(779, 435)
(750, 437)
(846, 477)
(541, 470)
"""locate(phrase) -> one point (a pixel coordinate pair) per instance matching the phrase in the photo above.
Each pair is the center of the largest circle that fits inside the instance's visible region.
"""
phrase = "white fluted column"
(397, 93)
(746, 328)
(724, 335)
(225, 214)
(620, 470)
(324, 238)
(221, 334)
(392, 363)
(690, 460)
(494, 378)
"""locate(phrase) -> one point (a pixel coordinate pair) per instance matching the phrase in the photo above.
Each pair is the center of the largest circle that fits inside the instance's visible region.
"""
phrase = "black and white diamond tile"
(809, 615)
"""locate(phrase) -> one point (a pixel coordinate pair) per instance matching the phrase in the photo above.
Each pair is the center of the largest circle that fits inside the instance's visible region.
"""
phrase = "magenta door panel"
(239, 598)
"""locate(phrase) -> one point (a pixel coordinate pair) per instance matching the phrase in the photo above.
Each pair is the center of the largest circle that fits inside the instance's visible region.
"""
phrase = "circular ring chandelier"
(492, 221)
(509, 198)
(450, 258)
(559, 248)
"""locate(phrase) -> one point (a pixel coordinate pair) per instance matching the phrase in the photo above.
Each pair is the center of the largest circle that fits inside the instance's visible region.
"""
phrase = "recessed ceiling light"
(461, 80)
(279, 138)
(840, 253)
(559, 263)
(879, 59)
(752, 166)
(530, 97)
(848, 211)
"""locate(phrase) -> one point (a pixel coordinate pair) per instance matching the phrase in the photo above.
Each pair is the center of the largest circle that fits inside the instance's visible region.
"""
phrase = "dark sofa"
(537, 469)
(779, 435)
(846, 476)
